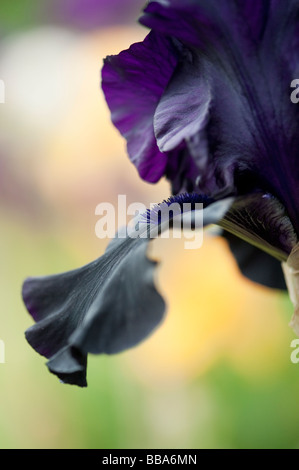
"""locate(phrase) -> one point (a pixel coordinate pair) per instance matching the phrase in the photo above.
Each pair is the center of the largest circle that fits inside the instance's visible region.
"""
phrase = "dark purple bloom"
(204, 101)
(223, 123)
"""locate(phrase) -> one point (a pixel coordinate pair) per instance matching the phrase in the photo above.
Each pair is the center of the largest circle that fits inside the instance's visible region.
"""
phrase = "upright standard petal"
(133, 83)
(183, 109)
(104, 307)
(251, 51)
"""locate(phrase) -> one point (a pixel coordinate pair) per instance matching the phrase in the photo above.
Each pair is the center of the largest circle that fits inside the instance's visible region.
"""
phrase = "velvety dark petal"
(283, 31)
(224, 111)
(260, 219)
(214, 25)
(206, 23)
(182, 171)
(111, 304)
(69, 365)
(255, 264)
(133, 83)
(183, 109)
(130, 287)
(57, 305)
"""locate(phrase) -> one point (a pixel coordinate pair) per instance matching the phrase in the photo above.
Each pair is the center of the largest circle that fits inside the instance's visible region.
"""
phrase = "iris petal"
(126, 310)
(255, 264)
(112, 301)
(133, 83)
(252, 49)
(112, 304)
(69, 365)
(183, 109)
(209, 24)
(107, 306)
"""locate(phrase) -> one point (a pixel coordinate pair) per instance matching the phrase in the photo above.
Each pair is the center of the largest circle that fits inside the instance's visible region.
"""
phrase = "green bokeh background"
(243, 398)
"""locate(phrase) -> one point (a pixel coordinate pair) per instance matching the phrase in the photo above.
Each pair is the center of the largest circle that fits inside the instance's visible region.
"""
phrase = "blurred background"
(217, 374)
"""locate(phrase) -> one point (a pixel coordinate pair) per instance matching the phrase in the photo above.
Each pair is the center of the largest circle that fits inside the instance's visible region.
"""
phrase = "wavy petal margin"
(109, 305)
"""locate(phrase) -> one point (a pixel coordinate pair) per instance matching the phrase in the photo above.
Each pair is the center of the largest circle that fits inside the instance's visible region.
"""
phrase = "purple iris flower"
(203, 101)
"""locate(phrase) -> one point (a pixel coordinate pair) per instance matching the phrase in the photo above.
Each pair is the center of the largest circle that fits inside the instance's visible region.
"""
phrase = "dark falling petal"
(255, 264)
(130, 309)
(107, 306)
(212, 24)
(69, 365)
(127, 309)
